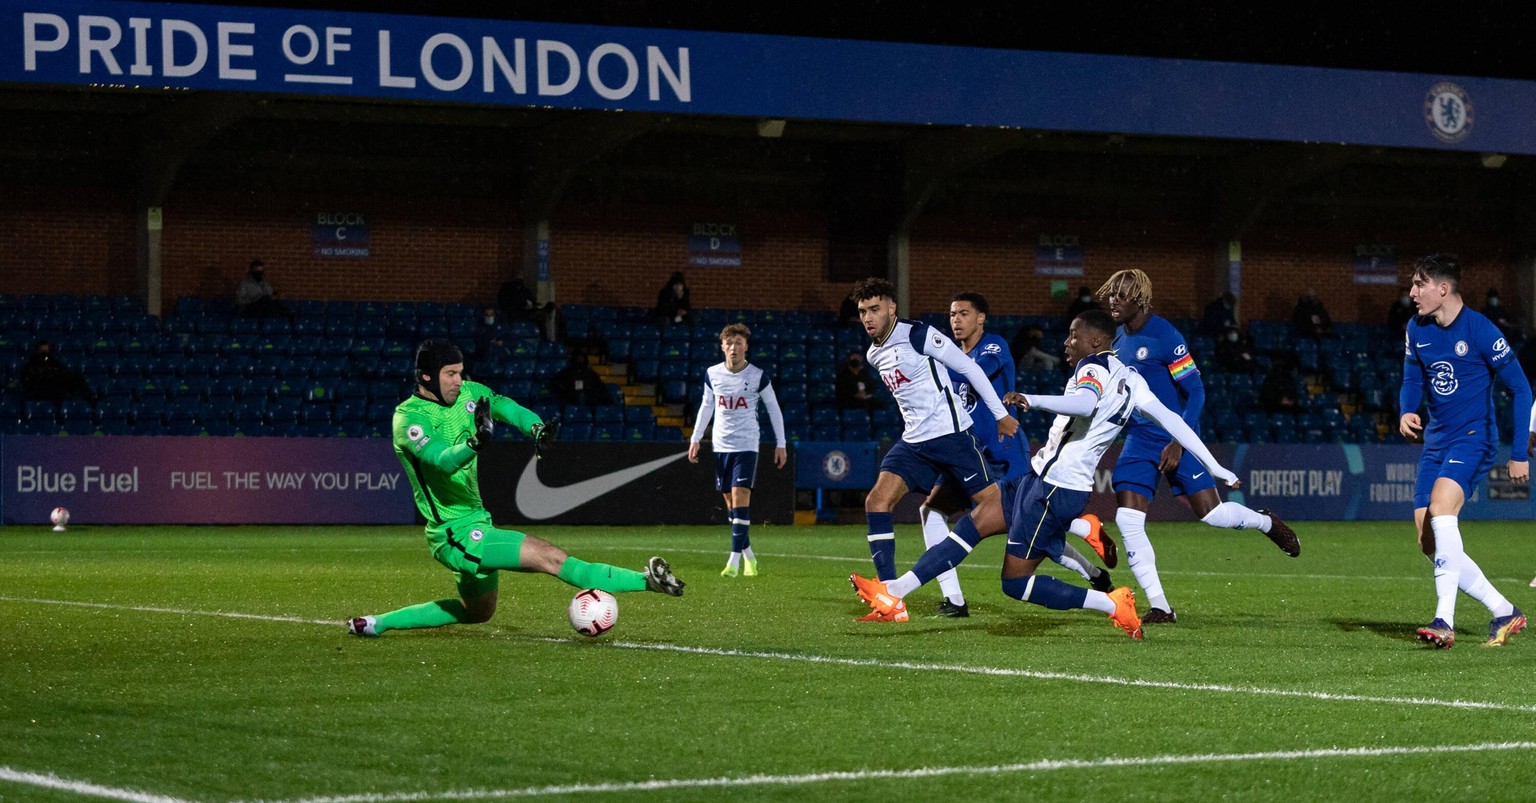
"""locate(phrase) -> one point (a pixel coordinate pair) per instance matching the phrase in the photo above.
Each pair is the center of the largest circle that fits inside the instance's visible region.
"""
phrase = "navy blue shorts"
(954, 458)
(1136, 470)
(1465, 460)
(1040, 518)
(735, 470)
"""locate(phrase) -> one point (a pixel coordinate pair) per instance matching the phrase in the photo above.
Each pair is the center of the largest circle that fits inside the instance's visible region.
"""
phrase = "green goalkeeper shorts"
(460, 545)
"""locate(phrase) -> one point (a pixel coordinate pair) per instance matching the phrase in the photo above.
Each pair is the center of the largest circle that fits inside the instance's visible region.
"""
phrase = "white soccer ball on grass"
(593, 612)
(60, 518)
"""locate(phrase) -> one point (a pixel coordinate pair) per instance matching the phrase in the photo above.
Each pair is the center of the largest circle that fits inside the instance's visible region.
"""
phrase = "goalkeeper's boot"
(866, 588)
(1158, 616)
(1500, 629)
(1102, 544)
(362, 626)
(1283, 536)
(1125, 616)
(1438, 633)
(748, 567)
(950, 610)
(730, 570)
(659, 578)
(1101, 582)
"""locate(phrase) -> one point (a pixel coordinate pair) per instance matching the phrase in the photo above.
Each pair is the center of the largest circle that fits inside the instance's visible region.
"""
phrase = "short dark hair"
(736, 329)
(973, 298)
(873, 287)
(1099, 320)
(1441, 268)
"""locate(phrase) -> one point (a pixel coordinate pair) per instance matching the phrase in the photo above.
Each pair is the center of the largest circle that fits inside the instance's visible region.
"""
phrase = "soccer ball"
(593, 612)
(60, 519)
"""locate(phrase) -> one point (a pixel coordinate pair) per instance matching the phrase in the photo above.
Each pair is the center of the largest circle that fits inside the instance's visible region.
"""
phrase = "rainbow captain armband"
(1182, 367)
(1091, 382)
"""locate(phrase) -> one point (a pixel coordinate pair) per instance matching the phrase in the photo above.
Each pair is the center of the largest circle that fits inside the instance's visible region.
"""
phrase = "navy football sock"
(1047, 591)
(882, 545)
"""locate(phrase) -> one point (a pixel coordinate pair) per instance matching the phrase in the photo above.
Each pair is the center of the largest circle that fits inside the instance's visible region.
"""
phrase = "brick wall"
(54, 240)
(66, 241)
(432, 249)
(624, 256)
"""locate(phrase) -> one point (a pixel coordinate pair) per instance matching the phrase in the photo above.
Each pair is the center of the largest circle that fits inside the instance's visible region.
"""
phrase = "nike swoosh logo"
(1198, 476)
(968, 479)
(1420, 345)
(539, 501)
(1458, 462)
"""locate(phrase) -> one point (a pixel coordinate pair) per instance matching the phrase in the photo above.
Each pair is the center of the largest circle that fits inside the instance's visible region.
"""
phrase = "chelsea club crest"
(1448, 112)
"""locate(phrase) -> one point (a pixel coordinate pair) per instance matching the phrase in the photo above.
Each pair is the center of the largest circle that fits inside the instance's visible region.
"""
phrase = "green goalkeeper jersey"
(431, 442)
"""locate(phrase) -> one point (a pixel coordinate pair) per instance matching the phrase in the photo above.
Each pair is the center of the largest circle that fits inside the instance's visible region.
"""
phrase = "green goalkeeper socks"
(427, 614)
(601, 576)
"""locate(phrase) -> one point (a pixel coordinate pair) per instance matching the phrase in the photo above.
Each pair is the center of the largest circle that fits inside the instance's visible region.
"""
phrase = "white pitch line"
(1043, 765)
(829, 660)
(85, 788)
(179, 611)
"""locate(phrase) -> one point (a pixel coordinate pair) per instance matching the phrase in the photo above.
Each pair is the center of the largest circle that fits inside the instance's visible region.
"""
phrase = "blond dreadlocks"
(1133, 283)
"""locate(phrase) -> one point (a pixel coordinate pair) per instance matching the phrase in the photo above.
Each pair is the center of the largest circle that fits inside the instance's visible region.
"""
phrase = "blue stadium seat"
(789, 392)
(639, 432)
(609, 414)
(673, 391)
(638, 414)
(608, 432)
(576, 414)
(674, 370)
(827, 432)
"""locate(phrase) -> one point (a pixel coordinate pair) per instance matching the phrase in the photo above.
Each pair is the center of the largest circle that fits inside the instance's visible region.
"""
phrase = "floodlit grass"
(764, 676)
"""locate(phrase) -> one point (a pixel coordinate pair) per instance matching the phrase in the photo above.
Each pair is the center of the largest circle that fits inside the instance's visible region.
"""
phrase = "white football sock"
(1141, 556)
(1099, 601)
(747, 553)
(1233, 516)
(935, 530)
(1476, 584)
(734, 560)
(1077, 562)
(1080, 528)
(903, 585)
(1448, 553)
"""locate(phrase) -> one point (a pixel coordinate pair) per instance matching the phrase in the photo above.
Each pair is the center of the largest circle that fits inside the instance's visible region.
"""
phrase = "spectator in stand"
(1234, 352)
(673, 305)
(1220, 315)
(1401, 312)
(491, 336)
(517, 303)
(856, 385)
(255, 298)
(45, 378)
(1026, 344)
(1082, 303)
(578, 383)
(1494, 310)
(1279, 394)
(1311, 317)
(848, 313)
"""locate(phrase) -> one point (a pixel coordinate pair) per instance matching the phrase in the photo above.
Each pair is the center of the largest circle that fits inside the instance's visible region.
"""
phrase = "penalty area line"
(83, 788)
(1043, 765)
(829, 660)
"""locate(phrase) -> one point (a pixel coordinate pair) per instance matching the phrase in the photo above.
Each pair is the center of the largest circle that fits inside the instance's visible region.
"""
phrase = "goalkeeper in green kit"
(438, 432)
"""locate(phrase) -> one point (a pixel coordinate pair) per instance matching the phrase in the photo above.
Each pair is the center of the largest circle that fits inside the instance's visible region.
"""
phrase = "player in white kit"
(1100, 399)
(732, 391)
(936, 439)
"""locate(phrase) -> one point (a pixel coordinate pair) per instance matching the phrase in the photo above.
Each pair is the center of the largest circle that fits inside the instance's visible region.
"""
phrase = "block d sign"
(339, 234)
(714, 245)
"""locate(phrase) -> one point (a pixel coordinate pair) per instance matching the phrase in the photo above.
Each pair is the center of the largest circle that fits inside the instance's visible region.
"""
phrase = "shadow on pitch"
(1391, 630)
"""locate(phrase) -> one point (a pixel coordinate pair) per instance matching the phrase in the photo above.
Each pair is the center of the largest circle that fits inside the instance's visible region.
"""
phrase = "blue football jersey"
(1454, 366)
(996, 360)
(1158, 352)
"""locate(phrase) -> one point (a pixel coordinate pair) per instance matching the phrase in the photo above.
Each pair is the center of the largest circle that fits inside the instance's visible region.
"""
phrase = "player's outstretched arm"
(414, 437)
(508, 411)
(1146, 401)
(950, 356)
(1079, 402)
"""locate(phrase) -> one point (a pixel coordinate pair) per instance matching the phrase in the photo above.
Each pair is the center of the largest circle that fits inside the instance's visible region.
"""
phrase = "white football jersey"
(1102, 396)
(908, 362)
(732, 399)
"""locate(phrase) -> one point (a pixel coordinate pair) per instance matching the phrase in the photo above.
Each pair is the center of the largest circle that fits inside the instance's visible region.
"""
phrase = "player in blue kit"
(937, 439)
(1455, 351)
(1007, 457)
(1150, 345)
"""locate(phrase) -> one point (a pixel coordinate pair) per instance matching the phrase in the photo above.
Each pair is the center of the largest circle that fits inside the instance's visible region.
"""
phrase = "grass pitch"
(210, 664)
